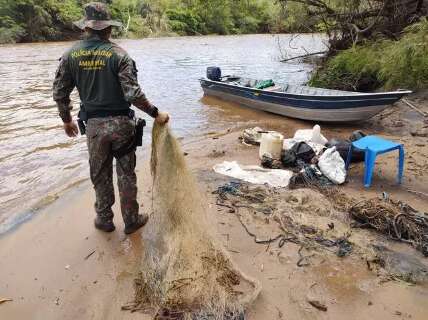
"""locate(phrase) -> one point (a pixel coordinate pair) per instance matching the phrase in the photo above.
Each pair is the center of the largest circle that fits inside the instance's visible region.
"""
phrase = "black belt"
(84, 116)
(109, 113)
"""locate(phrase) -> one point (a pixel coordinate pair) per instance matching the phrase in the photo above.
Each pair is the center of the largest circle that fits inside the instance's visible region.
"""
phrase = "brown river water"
(37, 160)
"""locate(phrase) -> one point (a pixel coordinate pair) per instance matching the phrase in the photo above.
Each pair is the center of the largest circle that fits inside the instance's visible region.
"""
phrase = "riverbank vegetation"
(42, 20)
(378, 64)
(372, 43)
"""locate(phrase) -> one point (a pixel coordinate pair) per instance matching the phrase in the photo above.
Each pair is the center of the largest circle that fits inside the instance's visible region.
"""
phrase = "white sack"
(255, 174)
(332, 166)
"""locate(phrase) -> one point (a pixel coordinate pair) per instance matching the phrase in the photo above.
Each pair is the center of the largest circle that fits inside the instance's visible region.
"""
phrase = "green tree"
(39, 20)
(35, 20)
(184, 21)
(216, 15)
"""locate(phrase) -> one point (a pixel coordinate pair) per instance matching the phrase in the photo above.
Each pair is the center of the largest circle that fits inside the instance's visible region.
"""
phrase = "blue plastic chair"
(374, 146)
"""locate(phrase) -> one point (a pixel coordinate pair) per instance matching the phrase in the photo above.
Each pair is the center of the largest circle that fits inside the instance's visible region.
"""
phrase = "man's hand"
(70, 129)
(162, 118)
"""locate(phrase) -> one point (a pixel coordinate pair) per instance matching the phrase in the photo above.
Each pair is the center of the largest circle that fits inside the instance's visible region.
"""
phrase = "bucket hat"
(97, 17)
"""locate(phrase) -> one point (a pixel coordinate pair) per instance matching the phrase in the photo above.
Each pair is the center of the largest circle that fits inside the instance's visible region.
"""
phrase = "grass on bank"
(382, 64)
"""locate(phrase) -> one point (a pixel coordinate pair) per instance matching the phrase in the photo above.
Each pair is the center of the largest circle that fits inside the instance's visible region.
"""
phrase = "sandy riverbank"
(57, 266)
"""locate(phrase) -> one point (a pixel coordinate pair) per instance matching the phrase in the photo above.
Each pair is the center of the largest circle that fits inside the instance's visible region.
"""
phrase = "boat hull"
(326, 108)
(321, 115)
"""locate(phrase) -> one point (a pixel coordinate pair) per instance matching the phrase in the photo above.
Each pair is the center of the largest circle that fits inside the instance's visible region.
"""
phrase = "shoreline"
(58, 266)
(143, 155)
(162, 36)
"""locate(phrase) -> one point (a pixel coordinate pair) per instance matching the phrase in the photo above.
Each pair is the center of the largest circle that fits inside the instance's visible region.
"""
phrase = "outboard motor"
(214, 73)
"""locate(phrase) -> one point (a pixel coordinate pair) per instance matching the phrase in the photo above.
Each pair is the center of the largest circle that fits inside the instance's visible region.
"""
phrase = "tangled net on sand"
(392, 218)
(278, 215)
(397, 220)
(185, 273)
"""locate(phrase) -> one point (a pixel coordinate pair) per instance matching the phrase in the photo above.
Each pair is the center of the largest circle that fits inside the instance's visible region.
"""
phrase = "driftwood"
(418, 193)
(407, 102)
(305, 56)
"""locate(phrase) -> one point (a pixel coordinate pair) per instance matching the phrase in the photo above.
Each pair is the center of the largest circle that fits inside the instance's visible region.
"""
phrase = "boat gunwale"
(280, 94)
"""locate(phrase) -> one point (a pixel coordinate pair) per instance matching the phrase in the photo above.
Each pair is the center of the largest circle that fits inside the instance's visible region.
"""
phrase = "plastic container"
(311, 135)
(271, 143)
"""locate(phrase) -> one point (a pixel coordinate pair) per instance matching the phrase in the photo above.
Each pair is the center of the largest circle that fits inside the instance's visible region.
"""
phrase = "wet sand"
(57, 266)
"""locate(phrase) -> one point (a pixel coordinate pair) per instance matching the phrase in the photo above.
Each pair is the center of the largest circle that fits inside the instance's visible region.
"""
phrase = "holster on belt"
(82, 119)
(137, 140)
(139, 131)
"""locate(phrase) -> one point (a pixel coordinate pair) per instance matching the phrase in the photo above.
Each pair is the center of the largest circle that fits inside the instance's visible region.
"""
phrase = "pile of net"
(185, 272)
(395, 219)
(279, 215)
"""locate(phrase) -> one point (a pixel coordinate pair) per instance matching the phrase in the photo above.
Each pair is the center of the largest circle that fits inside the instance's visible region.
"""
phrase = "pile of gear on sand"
(309, 154)
(310, 160)
(307, 158)
(185, 273)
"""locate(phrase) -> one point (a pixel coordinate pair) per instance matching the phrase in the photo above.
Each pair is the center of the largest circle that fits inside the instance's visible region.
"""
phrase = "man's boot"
(103, 225)
(139, 222)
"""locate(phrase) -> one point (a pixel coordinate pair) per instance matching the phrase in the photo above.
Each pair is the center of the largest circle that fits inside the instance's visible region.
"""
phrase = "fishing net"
(279, 215)
(185, 272)
(395, 219)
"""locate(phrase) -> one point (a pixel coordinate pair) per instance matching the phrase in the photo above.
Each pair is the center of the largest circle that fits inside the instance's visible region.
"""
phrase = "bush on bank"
(382, 64)
(43, 20)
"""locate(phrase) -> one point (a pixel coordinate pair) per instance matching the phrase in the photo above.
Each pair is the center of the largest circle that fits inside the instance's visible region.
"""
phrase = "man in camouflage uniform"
(106, 79)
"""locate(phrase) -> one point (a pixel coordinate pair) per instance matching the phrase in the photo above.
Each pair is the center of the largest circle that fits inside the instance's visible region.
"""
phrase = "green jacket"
(104, 75)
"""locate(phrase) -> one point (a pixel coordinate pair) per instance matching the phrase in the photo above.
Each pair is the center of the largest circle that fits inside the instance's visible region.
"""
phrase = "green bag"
(264, 84)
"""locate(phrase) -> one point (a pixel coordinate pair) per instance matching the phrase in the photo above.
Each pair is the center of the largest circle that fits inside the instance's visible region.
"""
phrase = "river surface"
(37, 160)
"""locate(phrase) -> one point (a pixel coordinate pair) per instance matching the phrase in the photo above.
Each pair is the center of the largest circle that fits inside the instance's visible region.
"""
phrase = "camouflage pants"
(106, 137)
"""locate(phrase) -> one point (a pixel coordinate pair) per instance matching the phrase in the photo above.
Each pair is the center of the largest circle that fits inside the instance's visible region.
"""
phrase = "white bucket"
(271, 143)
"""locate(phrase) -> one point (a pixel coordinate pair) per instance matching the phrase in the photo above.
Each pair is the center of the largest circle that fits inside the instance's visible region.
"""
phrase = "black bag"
(357, 135)
(342, 146)
(288, 158)
(300, 152)
(303, 152)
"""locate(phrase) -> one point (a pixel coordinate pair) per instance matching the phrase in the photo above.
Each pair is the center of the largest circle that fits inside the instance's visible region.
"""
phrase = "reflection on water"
(37, 160)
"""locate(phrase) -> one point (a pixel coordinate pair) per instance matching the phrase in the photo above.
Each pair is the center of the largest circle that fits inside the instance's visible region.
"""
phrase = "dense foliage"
(39, 20)
(350, 22)
(372, 43)
(388, 64)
